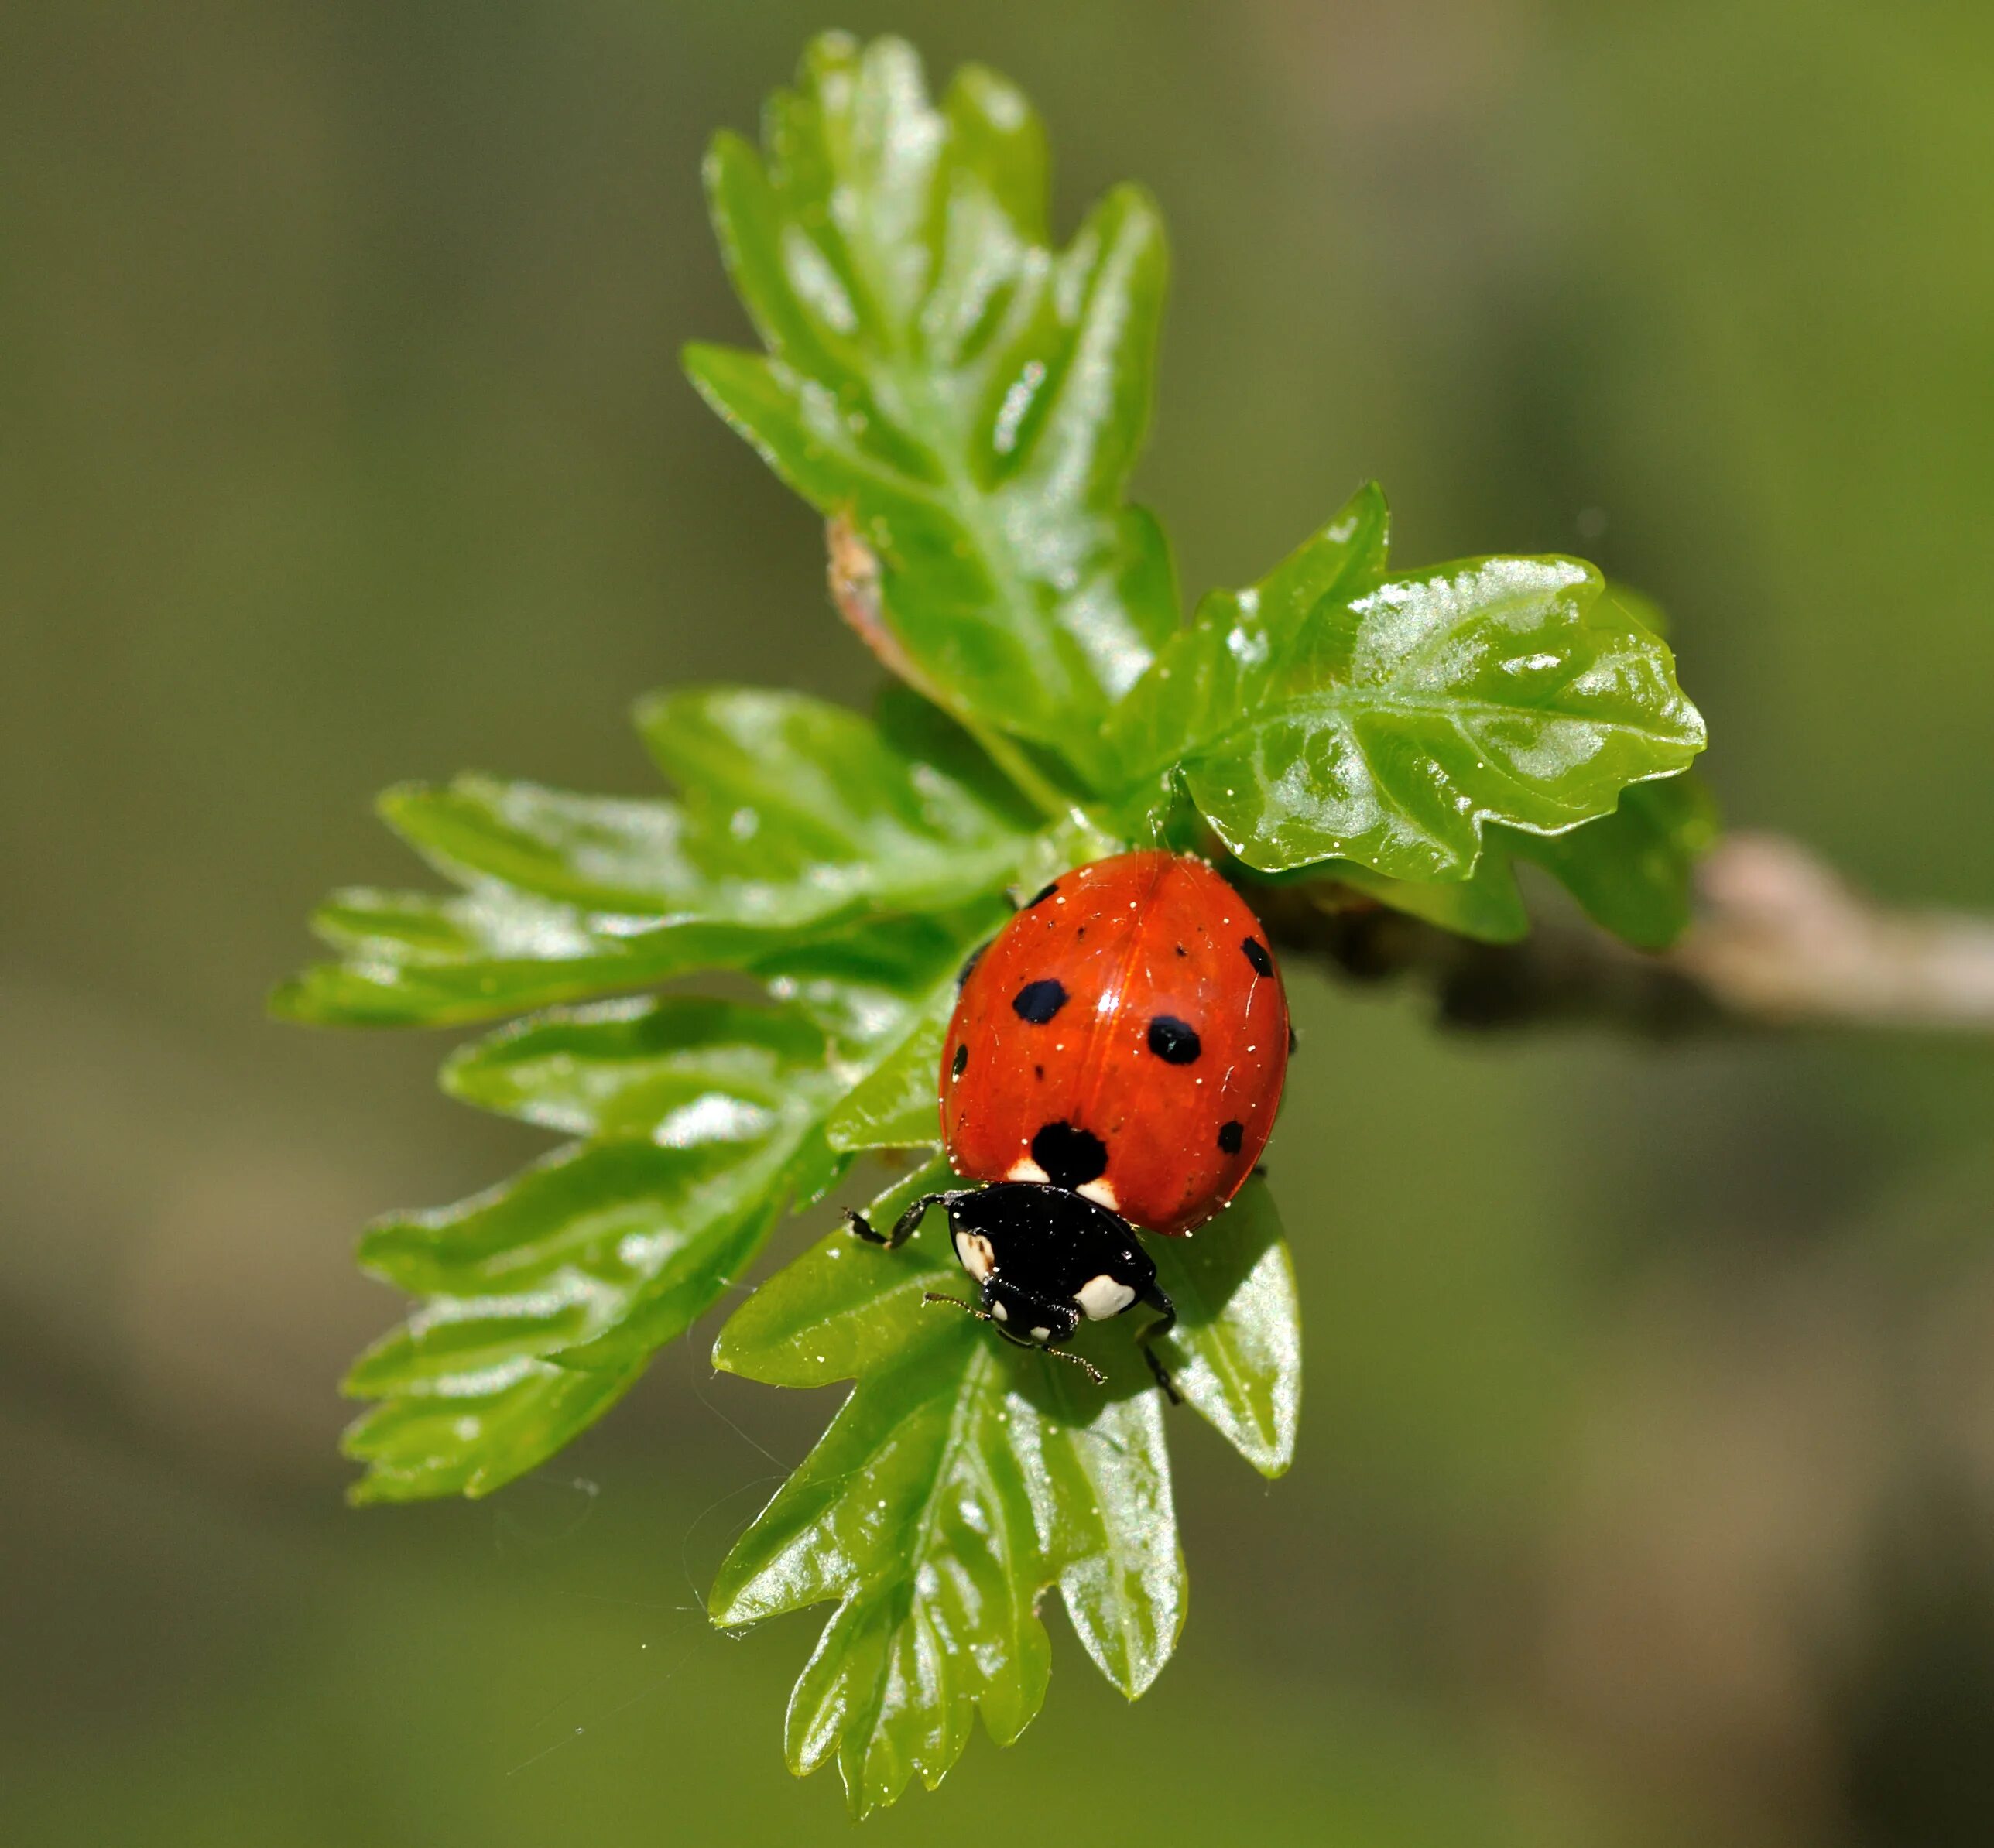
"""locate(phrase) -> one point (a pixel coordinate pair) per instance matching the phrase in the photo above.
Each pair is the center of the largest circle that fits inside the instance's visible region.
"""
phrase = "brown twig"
(1779, 940)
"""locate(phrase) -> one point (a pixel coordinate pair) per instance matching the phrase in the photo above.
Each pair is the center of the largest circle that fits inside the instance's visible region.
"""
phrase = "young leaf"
(500, 1423)
(1236, 1353)
(799, 818)
(962, 1478)
(706, 1116)
(1632, 870)
(590, 1260)
(678, 1072)
(1239, 653)
(414, 959)
(1486, 906)
(898, 1106)
(804, 809)
(970, 400)
(1325, 715)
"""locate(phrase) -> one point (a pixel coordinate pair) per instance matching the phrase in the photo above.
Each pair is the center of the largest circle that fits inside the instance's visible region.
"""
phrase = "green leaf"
(500, 1424)
(597, 854)
(971, 400)
(1486, 906)
(678, 1072)
(414, 959)
(899, 1106)
(1236, 1353)
(863, 986)
(799, 820)
(590, 1259)
(962, 1478)
(802, 809)
(586, 1242)
(706, 1116)
(1330, 714)
(1632, 871)
(1238, 654)
(794, 811)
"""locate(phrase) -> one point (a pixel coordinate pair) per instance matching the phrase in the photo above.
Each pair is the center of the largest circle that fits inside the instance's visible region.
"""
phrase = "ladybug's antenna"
(1058, 1353)
(938, 1297)
(1085, 1366)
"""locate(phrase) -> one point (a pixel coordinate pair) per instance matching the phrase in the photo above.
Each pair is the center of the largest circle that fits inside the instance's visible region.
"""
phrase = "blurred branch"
(1780, 940)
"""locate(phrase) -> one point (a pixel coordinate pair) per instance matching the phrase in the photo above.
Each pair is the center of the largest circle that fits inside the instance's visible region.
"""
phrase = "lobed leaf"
(495, 1428)
(589, 1261)
(965, 1477)
(965, 403)
(800, 821)
(1485, 905)
(1334, 713)
(1632, 870)
(417, 959)
(962, 1479)
(970, 400)
(805, 808)
(898, 1106)
(678, 1072)
(1236, 1353)
(705, 1117)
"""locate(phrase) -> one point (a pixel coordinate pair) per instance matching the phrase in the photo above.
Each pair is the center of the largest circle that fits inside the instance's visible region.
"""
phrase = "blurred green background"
(1646, 1486)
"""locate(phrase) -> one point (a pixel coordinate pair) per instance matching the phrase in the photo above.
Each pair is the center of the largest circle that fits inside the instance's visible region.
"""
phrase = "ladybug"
(1115, 1060)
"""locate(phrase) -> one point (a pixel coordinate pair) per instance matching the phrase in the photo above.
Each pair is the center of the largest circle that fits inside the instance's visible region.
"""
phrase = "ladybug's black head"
(1030, 1318)
(1044, 1257)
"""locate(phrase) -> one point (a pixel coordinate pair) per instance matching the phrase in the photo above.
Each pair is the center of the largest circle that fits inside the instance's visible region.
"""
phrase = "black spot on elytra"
(1038, 1001)
(1044, 893)
(1070, 1156)
(1256, 954)
(970, 961)
(1038, 1072)
(1182, 951)
(1231, 1138)
(961, 1059)
(1173, 1041)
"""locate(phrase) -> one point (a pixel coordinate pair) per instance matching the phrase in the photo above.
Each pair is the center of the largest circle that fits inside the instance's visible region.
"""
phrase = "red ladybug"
(1116, 1058)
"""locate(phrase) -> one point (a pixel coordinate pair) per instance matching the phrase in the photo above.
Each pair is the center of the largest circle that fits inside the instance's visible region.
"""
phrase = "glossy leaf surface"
(1333, 713)
(703, 1118)
(1632, 871)
(963, 1477)
(896, 1106)
(970, 399)
(709, 1115)
(799, 819)
(1236, 1353)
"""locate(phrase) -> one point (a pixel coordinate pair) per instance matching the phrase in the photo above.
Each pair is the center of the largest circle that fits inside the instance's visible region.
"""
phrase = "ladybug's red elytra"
(1115, 1060)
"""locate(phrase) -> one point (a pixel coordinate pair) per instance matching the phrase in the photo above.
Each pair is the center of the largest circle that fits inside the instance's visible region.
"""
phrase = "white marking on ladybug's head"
(998, 1312)
(1100, 1297)
(1042, 1334)
(1025, 1169)
(978, 1258)
(1101, 1192)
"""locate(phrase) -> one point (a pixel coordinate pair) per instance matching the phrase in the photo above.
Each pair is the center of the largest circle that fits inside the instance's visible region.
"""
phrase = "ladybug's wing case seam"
(1107, 1014)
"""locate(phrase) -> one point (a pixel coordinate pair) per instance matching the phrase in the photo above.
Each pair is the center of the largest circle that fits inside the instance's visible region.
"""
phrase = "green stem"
(1050, 803)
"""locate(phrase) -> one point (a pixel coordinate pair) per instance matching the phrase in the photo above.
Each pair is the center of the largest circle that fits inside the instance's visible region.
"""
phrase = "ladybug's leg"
(1165, 1320)
(904, 1227)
